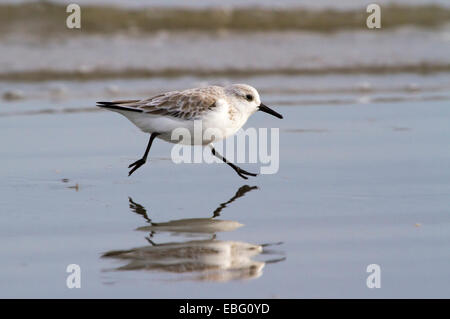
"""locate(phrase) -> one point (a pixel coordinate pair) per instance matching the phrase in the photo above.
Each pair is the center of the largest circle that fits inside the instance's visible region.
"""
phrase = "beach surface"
(364, 157)
(358, 184)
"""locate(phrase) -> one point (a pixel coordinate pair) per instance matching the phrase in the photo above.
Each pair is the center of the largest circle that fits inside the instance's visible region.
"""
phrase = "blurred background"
(310, 51)
(364, 157)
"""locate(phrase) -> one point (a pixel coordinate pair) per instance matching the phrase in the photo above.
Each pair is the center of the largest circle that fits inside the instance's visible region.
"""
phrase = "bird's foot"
(136, 165)
(242, 173)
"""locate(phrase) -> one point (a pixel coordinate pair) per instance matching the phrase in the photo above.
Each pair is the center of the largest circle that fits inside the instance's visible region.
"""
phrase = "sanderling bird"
(225, 109)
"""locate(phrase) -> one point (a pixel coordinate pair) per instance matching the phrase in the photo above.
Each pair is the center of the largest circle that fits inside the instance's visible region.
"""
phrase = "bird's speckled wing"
(186, 105)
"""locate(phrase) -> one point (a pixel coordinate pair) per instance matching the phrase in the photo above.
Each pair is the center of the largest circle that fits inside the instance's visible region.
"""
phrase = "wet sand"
(364, 159)
(358, 184)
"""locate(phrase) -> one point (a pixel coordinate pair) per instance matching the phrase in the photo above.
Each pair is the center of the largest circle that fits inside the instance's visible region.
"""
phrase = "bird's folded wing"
(186, 105)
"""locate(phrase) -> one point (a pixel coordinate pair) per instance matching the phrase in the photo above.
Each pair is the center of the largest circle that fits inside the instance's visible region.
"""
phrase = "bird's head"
(248, 100)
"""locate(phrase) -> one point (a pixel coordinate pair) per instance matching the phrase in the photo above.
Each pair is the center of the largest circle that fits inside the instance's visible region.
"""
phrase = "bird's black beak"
(266, 109)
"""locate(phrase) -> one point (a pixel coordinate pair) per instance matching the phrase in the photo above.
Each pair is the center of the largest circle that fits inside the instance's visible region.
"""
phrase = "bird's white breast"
(225, 118)
(220, 122)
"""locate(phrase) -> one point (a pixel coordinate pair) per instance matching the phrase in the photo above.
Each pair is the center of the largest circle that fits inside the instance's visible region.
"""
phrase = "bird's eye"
(249, 97)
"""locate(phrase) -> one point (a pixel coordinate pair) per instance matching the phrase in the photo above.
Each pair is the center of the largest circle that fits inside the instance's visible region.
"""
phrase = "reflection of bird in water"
(193, 225)
(241, 192)
(140, 210)
(207, 259)
(215, 260)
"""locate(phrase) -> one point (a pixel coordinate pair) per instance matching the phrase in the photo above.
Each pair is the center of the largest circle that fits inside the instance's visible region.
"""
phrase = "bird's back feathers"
(186, 105)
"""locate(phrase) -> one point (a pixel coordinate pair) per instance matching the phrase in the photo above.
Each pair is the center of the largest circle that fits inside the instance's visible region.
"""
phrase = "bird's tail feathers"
(116, 105)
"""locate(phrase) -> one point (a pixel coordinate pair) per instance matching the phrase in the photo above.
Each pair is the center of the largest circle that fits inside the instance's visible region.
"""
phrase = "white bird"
(223, 109)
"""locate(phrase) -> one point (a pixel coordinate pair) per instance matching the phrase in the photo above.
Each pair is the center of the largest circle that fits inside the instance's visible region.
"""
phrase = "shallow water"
(364, 174)
(358, 184)
(36, 45)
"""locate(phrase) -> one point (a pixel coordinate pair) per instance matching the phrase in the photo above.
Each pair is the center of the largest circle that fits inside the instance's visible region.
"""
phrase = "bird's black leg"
(142, 161)
(237, 169)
